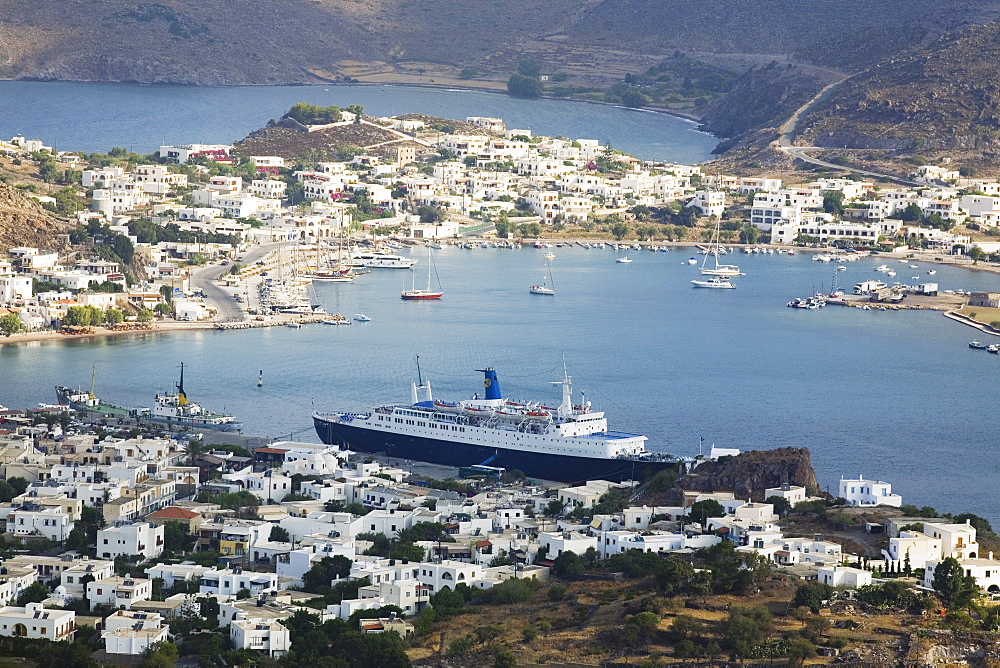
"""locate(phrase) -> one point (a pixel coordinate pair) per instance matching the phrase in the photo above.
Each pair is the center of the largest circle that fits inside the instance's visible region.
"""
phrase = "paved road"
(787, 136)
(206, 277)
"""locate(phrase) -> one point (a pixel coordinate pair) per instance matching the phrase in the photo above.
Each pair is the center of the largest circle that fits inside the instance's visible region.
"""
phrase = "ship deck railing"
(609, 435)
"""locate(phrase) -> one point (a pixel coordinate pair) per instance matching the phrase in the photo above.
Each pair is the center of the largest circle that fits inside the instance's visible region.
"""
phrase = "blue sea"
(897, 396)
(892, 395)
(96, 116)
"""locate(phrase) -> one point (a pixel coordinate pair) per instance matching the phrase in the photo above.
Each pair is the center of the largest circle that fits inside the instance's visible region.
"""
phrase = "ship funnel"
(491, 384)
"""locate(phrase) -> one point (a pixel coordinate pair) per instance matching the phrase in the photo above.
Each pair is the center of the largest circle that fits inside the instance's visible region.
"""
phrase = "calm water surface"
(96, 117)
(898, 396)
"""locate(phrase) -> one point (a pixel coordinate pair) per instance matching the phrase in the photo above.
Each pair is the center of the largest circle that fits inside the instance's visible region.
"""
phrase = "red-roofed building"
(269, 455)
(188, 518)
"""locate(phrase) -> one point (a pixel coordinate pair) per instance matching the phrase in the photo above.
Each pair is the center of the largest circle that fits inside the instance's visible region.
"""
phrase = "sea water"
(896, 396)
(98, 116)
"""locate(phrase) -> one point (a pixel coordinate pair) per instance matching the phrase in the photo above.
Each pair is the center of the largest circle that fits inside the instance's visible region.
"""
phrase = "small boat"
(841, 268)
(549, 256)
(932, 271)
(692, 260)
(977, 345)
(415, 293)
(361, 317)
(623, 260)
(294, 325)
(336, 321)
(544, 288)
(716, 282)
(914, 266)
(890, 273)
(883, 268)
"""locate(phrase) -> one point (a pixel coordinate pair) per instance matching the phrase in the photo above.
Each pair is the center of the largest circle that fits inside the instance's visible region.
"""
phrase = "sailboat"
(326, 271)
(415, 293)
(718, 269)
(544, 288)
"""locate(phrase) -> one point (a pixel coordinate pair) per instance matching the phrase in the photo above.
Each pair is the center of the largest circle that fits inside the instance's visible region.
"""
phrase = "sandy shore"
(157, 328)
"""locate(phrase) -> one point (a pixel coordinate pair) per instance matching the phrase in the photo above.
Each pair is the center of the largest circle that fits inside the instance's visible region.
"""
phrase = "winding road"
(787, 133)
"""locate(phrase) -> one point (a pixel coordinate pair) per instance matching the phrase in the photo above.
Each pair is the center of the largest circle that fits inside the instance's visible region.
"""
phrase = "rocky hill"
(750, 473)
(249, 41)
(943, 97)
(23, 222)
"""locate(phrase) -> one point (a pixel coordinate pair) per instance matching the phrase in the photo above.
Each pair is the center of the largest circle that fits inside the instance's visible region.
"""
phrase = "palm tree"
(194, 448)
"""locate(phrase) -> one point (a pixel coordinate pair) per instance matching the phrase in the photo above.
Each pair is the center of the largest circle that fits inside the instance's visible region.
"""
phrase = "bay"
(896, 396)
(97, 116)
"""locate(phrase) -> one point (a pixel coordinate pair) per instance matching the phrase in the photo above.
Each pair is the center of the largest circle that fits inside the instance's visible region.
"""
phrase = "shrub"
(557, 592)
(460, 646)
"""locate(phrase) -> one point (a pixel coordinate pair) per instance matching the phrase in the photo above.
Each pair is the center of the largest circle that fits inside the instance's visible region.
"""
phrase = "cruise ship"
(566, 443)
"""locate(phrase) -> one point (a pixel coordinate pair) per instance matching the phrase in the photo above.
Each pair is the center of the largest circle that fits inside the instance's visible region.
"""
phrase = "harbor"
(647, 305)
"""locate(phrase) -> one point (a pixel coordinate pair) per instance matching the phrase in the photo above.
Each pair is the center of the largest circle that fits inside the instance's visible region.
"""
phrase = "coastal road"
(206, 277)
(787, 133)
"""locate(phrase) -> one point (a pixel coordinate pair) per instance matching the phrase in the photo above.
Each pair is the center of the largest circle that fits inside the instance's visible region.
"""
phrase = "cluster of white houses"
(139, 485)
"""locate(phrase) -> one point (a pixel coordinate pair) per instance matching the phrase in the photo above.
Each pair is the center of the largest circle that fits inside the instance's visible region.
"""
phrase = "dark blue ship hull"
(561, 468)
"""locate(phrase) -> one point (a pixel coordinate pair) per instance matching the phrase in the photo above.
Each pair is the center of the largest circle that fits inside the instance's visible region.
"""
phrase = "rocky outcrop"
(23, 222)
(940, 97)
(748, 474)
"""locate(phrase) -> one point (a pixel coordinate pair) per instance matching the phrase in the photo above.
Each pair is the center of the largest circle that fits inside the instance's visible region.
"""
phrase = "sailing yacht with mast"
(714, 252)
(544, 288)
(416, 293)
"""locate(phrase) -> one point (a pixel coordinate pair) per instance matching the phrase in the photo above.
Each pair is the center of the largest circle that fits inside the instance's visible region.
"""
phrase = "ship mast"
(181, 396)
(93, 376)
(420, 385)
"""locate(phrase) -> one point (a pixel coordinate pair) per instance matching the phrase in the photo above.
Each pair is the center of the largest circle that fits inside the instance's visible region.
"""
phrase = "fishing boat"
(361, 317)
(171, 408)
(692, 260)
(716, 282)
(570, 442)
(623, 260)
(415, 293)
(977, 345)
(544, 288)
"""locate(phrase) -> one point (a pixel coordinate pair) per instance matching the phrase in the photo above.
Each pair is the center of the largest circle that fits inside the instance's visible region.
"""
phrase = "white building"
(119, 592)
(791, 493)
(861, 492)
(141, 538)
(34, 621)
(985, 571)
(128, 632)
(32, 519)
(843, 576)
(268, 637)
(230, 582)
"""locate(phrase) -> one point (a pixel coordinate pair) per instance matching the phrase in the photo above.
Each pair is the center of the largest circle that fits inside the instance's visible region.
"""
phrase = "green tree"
(325, 571)
(529, 68)
(812, 595)
(568, 565)
(619, 230)
(447, 602)
(36, 592)
(160, 655)
(641, 628)
(833, 202)
(176, 537)
(701, 511)
(976, 254)
(951, 584)
(77, 539)
(912, 213)
(519, 85)
(749, 234)
(745, 629)
(113, 316)
(799, 650)
(10, 324)
(279, 534)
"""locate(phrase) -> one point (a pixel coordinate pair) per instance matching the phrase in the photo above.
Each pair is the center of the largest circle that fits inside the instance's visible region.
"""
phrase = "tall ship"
(568, 443)
(168, 408)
